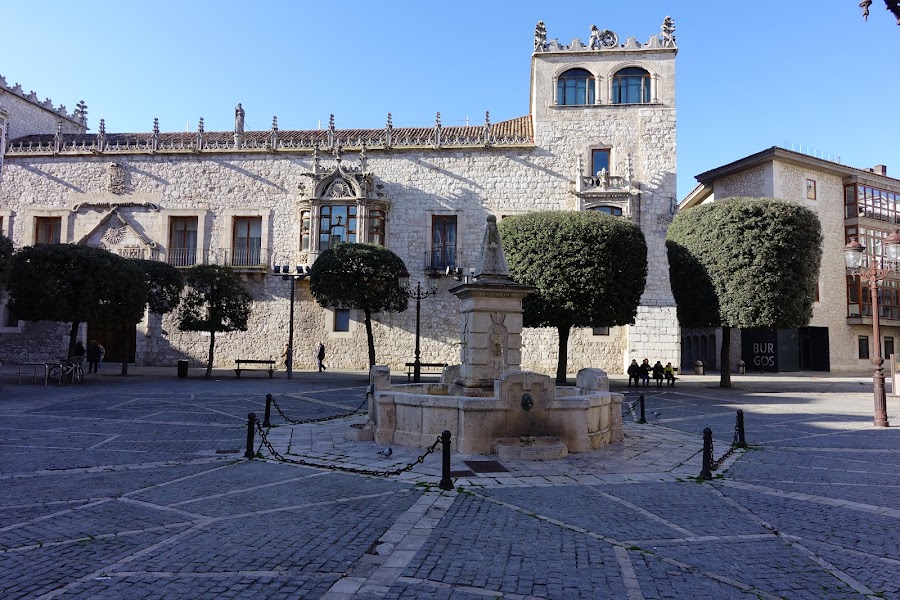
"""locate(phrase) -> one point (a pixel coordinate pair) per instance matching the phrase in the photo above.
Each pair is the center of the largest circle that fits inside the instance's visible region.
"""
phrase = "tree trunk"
(563, 353)
(370, 337)
(212, 345)
(725, 358)
(127, 345)
(73, 336)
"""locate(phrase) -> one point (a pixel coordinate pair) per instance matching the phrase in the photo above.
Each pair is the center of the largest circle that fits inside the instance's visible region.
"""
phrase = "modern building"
(850, 202)
(600, 135)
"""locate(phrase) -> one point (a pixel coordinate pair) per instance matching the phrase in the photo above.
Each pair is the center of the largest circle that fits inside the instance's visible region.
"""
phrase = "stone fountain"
(487, 402)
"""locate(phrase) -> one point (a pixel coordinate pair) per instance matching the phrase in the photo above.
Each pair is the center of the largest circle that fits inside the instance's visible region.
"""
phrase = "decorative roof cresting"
(47, 104)
(604, 39)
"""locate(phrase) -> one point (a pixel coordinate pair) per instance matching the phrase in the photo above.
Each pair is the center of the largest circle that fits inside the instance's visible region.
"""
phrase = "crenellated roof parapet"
(605, 40)
(78, 116)
(517, 132)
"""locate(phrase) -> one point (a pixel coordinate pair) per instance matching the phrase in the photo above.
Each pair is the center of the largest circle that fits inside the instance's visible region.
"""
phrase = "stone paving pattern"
(136, 487)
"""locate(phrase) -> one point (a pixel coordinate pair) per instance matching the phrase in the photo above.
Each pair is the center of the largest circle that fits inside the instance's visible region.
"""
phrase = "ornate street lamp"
(301, 272)
(418, 294)
(854, 255)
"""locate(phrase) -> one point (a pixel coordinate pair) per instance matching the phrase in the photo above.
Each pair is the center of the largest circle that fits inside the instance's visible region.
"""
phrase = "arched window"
(575, 87)
(631, 86)
(610, 210)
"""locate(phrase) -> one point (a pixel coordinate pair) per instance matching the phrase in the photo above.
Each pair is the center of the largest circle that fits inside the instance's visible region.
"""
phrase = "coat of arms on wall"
(116, 182)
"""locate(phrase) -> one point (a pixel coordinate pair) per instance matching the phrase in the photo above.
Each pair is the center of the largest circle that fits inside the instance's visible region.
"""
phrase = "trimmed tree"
(215, 301)
(77, 284)
(744, 262)
(360, 276)
(589, 268)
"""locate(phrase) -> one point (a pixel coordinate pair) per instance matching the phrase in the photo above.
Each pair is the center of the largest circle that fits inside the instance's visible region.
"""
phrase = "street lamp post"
(301, 272)
(854, 255)
(418, 294)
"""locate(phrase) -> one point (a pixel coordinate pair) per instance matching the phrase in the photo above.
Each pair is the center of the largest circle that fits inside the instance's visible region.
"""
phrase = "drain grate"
(229, 451)
(486, 466)
(462, 473)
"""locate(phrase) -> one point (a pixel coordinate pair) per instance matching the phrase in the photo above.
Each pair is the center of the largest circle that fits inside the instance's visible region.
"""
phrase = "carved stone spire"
(331, 132)
(492, 264)
(388, 131)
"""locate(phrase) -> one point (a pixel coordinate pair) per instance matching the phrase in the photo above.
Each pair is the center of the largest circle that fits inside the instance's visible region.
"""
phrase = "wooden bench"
(432, 368)
(246, 361)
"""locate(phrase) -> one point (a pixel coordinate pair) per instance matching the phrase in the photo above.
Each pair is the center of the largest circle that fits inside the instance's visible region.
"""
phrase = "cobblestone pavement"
(137, 487)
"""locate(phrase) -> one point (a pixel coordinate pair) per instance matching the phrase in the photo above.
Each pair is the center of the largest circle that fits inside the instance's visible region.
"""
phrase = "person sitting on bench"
(669, 373)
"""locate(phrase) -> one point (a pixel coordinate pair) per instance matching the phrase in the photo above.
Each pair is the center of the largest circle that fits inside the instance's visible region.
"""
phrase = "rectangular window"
(337, 224)
(376, 227)
(304, 230)
(47, 230)
(247, 242)
(810, 189)
(599, 160)
(342, 319)
(601, 330)
(443, 242)
(888, 347)
(863, 347)
(182, 241)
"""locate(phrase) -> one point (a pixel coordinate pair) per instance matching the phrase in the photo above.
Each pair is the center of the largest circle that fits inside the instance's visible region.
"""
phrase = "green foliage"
(360, 276)
(6, 250)
(72, 283)
(165, 284)
(745, 262)
(589, 268)
(215, 300)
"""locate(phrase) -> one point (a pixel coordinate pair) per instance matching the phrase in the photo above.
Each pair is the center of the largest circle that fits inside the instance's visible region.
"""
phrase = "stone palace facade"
(600, 135)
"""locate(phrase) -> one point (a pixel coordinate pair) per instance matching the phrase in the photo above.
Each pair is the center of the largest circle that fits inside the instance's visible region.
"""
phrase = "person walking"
(634, 372)
(94, 355)
(645, 372)
(658, 373)
(320, 355)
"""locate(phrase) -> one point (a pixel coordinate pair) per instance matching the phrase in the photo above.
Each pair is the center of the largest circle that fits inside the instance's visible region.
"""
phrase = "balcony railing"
(182, 257)
(442, 256)
(245, 258)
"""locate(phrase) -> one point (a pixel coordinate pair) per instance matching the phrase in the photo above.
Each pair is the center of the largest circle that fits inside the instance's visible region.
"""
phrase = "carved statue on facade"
(594, 43)
(602, 38)
(238, 119)
(667, 31)
(540, 36)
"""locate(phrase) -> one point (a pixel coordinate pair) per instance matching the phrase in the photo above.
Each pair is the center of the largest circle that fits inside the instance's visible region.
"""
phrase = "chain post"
(446, 482)
(706, 473)
(643, 418)
(266, 422)
(251, 423)
(741, 440)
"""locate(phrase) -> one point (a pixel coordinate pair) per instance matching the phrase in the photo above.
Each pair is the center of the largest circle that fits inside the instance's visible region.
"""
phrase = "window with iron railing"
(247, 245)
(443, 242)
(182, 251)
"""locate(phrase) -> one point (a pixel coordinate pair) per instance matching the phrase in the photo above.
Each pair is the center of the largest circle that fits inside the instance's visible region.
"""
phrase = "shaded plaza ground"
(136, 487)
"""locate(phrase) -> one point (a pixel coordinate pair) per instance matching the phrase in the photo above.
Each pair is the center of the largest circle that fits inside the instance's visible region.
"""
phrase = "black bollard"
(643, 418)
(741, 440)
(266, 422)
(706, 473)
(446, 483)
(251, 423)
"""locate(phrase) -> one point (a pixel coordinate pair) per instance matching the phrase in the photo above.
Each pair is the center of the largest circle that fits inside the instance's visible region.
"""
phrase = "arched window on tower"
(631, 86)
(575, 87)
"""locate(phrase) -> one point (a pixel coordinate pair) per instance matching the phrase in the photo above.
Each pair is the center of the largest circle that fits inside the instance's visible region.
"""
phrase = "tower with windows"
(606, 110)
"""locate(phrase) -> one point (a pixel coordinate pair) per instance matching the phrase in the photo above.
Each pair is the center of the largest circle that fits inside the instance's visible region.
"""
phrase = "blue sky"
(750, 75)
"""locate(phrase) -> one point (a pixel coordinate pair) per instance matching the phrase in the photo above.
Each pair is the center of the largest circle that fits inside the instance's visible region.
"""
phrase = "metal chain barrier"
(320, 419)
(334, 467)
(734, 446)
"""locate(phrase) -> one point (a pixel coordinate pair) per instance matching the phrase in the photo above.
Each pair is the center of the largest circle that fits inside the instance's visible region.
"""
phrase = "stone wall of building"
(27, 116)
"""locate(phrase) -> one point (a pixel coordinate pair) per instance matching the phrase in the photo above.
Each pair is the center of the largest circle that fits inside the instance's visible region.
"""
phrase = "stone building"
(600, 135)
(849, 202)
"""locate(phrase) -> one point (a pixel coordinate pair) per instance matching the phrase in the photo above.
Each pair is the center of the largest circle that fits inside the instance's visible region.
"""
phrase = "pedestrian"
(645, 372)
(284, 355)
(669, 373)
(102, 356)
(93, 356)
(634, 371)
(658, 373)
(78, 354)
(320, 355)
